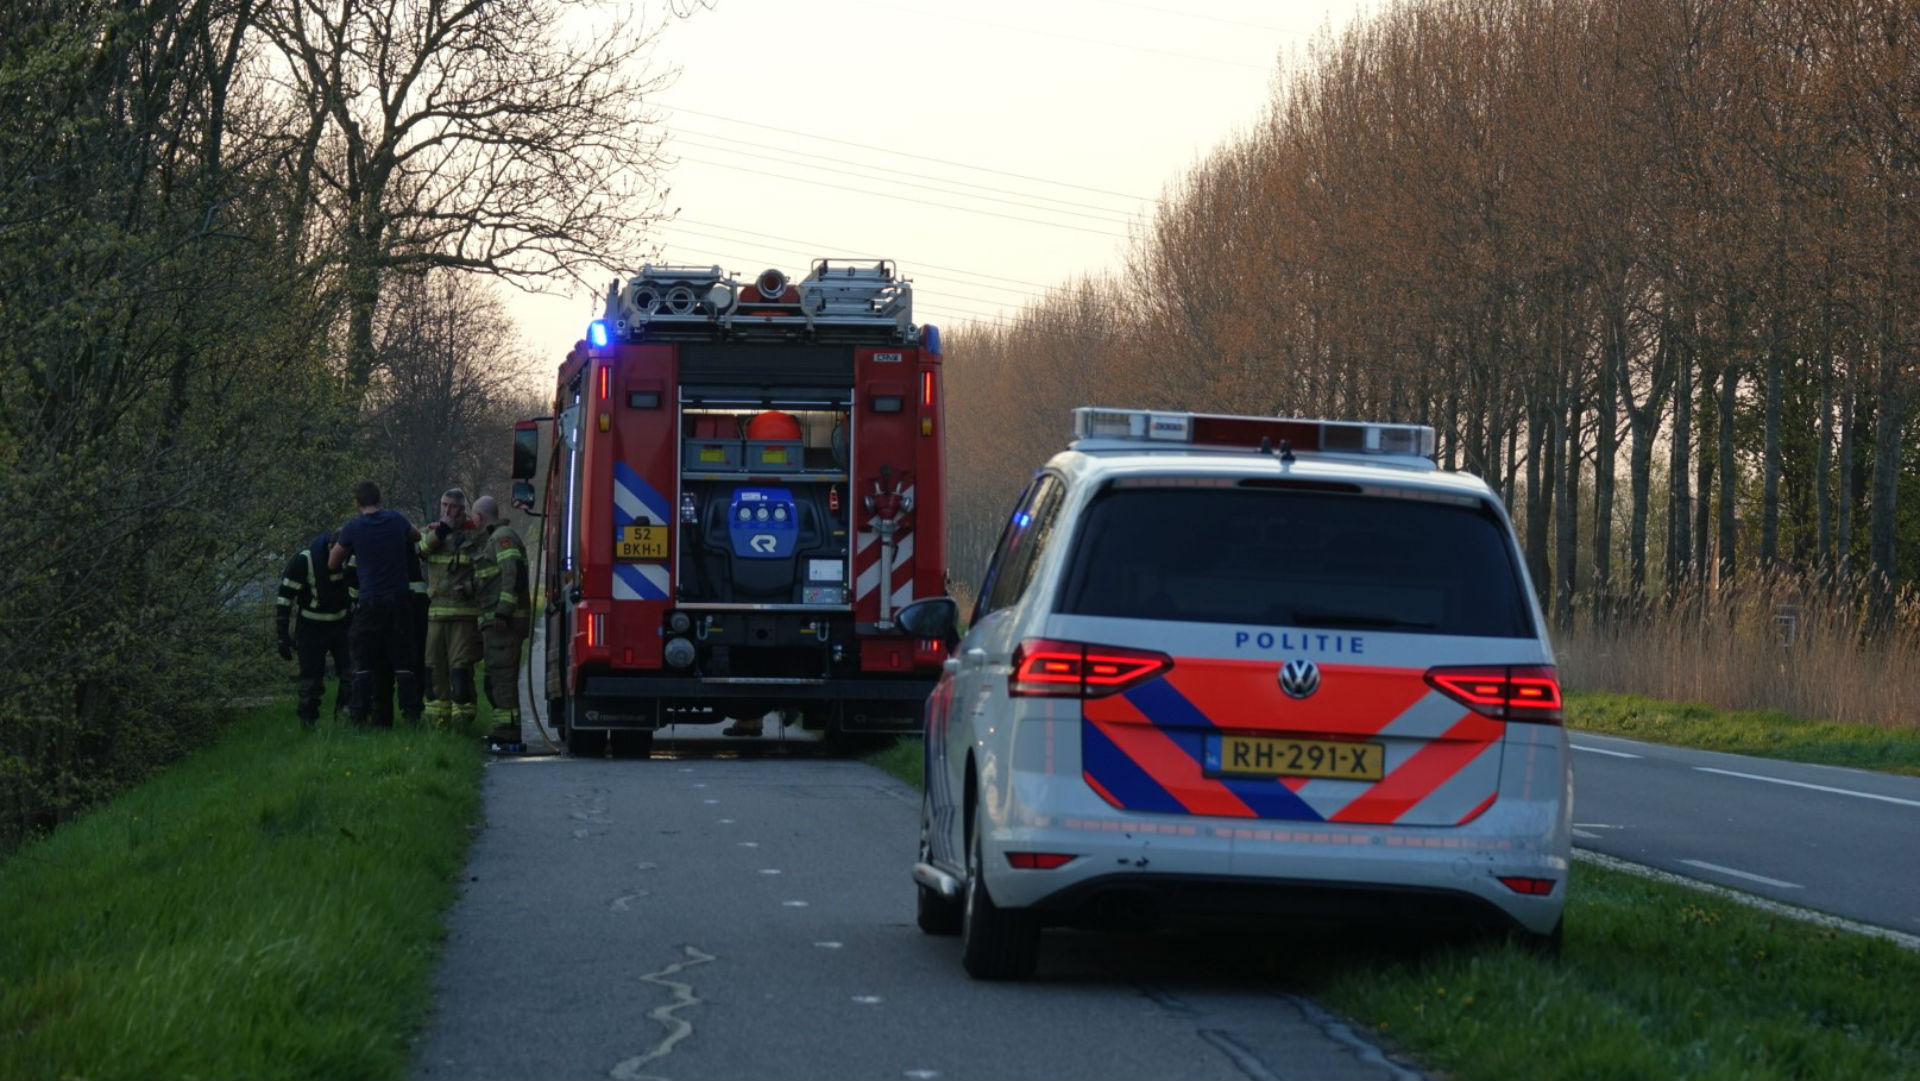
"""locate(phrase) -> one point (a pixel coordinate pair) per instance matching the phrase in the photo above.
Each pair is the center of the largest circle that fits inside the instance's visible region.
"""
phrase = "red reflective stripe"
(1245, 696)
(1173, 769)
(1424, 771)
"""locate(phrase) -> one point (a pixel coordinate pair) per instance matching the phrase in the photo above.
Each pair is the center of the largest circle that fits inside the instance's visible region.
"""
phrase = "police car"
(1244, 668)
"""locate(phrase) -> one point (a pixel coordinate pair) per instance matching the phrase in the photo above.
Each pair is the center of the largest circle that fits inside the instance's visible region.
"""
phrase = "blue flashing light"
(930, 339)
(597, 335)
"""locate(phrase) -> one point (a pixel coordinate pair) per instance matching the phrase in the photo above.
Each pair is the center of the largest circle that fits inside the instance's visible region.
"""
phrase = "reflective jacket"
(452, 592)
(502, 574)
(308, 587)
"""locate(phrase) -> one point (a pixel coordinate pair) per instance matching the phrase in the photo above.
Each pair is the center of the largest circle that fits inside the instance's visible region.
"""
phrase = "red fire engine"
(745, 482)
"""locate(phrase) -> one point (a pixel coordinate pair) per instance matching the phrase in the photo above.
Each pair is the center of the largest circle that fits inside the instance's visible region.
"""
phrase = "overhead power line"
(911, 199)
(816, 248)
(901, 153)
(920, 178)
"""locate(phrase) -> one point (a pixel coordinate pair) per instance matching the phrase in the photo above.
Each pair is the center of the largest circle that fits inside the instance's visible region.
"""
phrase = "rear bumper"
(892, 704)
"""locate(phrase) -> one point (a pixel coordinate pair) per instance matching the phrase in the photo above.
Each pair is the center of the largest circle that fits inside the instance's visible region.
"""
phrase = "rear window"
(1296, 558)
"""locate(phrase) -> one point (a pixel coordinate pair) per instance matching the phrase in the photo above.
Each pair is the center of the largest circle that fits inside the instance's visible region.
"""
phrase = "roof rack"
(839, 300)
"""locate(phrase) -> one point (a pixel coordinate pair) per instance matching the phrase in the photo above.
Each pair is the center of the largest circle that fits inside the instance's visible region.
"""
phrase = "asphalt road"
(734, 909)
(1842, 841)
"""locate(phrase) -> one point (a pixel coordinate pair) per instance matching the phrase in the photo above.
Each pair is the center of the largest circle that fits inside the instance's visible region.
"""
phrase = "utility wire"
(901, 153)
(921, 202)
(1077, 39)
(811, 246)
(813, 253)
(860, 169)
(1101, 218)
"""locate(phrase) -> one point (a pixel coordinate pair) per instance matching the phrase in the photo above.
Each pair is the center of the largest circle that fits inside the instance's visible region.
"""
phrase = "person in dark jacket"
(311, 616)
(377, 540)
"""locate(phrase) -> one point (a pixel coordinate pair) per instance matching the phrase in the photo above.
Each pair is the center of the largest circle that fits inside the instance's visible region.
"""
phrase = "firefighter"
(449, 547)
(506, 610)
(320, 596)
(377, 540)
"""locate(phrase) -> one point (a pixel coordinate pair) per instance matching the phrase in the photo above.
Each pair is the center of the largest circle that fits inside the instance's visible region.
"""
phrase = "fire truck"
(744, 483)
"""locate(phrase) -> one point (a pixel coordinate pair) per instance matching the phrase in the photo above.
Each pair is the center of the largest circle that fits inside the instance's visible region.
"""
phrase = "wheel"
(582, 743)
(632, 742)
(937, 915)
(995, 943)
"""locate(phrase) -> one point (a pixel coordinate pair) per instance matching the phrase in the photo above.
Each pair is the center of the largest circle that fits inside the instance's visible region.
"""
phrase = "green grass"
(1655, 981)
(270, 907)
(1763, 733)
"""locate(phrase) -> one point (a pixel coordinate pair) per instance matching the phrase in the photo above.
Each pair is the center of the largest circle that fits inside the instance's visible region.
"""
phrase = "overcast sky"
(991, 149)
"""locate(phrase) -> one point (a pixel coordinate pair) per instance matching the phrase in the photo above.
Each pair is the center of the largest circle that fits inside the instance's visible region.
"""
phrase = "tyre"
(632, 743)
(582, 743)
(937, 915)
(995, 943)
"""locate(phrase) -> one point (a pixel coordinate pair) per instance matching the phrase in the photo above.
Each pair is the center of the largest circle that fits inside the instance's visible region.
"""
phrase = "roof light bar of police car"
(1159, 428)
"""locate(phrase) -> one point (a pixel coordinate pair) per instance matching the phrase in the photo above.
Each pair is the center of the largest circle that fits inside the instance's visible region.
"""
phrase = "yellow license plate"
(642, 542)
(1267, 756)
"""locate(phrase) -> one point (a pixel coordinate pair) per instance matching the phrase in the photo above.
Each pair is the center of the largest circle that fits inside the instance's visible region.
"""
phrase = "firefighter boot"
(745, 726)
(464, 708)
(307, 702)
(507, 732)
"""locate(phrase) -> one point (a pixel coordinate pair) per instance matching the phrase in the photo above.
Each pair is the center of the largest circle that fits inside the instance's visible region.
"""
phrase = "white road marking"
(1584, 835)
(769, 870)
(749, 844)
(794, 904)
(1596, 826)
(1815, 787)
(828, 945)
(1610, 754)
(867, 1000)
(1750, 877)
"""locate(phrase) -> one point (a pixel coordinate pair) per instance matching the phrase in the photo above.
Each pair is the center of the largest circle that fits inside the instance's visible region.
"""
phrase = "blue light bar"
(597, 334)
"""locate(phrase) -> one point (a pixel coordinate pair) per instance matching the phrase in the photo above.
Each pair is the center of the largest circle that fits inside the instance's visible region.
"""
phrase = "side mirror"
(526, 451)
(523, 497)
(935, 617)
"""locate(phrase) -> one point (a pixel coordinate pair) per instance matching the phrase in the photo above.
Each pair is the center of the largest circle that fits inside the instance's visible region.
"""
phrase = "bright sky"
(992, 149)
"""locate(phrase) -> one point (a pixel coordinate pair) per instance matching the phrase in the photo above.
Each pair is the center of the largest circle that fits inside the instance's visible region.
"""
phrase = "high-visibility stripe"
(323, 617)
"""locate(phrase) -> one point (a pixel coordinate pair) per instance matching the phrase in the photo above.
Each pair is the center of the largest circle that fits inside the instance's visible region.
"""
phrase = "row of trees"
(241, 244)
(1652, 267)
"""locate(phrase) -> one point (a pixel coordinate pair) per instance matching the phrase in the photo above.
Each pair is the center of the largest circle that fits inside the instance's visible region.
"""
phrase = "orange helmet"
(773, 425)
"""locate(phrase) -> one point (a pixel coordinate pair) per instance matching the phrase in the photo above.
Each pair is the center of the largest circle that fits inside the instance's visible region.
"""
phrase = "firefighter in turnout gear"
(316, 600)
(506, 610)
(448, 548)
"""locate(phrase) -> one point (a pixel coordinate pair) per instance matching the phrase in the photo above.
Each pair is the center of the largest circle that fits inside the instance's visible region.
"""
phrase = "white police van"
(1244, 668)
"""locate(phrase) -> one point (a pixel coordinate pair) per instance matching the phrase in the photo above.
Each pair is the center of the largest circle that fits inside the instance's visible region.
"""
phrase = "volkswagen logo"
(1299, 679)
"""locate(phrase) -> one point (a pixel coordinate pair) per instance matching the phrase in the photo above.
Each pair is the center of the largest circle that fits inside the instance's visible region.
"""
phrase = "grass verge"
(1655, 980)
(270, 907)
(1763, 733)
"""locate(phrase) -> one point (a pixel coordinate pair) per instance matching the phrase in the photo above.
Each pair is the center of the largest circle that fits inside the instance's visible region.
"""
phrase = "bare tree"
(495, 136)
(452, 379)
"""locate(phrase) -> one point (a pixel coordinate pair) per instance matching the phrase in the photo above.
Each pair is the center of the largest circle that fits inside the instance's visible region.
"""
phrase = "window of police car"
(1025, 537)
(1251, 552)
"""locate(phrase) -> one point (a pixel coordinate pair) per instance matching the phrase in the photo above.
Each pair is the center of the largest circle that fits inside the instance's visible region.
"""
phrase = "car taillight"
(1529, 693)
(1039, 861)
(1044, 666)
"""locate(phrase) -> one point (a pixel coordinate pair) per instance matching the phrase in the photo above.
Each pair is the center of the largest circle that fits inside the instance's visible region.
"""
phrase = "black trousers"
(313, 642)
(383, 630)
